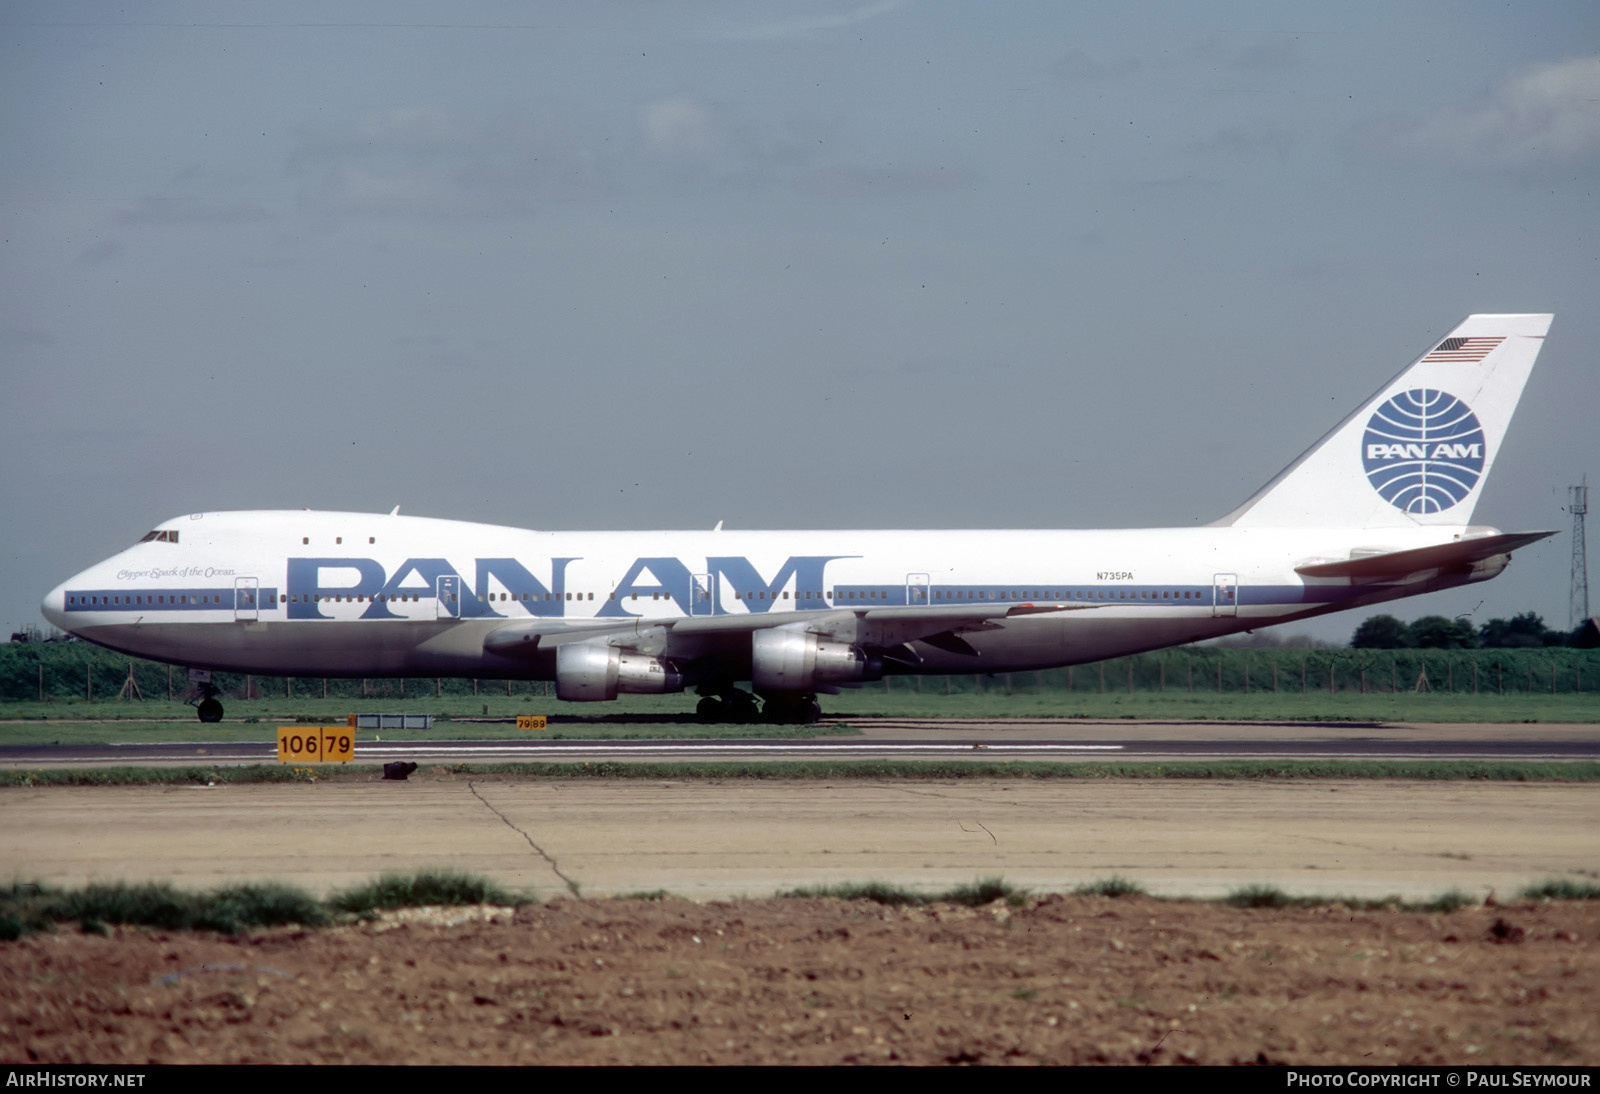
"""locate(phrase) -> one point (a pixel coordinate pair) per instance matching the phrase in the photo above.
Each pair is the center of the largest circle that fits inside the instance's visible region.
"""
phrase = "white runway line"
(647, 749)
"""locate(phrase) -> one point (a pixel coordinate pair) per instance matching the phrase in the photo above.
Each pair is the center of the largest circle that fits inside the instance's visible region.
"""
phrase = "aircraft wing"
(1395, 565)
(881, 627)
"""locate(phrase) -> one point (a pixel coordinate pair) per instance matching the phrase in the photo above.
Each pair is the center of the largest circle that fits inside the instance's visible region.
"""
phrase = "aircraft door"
(246, 599)
(1224, 594)
(703, 594)
(917, 595)
(447, 597)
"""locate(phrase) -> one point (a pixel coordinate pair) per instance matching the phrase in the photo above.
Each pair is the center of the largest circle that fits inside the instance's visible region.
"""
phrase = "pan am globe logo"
(1423, 451)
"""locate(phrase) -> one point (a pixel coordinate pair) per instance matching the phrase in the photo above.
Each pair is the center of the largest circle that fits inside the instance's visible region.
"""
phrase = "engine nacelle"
(588, 673)
(783, 660)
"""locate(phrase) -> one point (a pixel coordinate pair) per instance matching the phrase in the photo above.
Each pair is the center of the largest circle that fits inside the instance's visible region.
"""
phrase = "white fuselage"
(350, 594)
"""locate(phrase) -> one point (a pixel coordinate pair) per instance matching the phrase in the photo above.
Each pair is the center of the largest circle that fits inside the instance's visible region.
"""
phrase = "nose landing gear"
(206, 704)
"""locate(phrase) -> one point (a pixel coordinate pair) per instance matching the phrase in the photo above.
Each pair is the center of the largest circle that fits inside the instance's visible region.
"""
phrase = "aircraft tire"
(711, 711)
(209, 710)
(791, 710)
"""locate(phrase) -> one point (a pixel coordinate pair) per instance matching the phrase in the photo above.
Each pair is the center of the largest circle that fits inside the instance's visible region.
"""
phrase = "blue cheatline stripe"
(851, 597)
(203, 599)
(1123, 595)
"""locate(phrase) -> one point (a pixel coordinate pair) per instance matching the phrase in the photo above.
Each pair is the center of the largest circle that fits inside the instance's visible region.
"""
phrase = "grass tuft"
(1451, 901)
(879, 892)
(1561, 889)
(1114, 886)
(233, 908)
(421, 890)
(986, 891)
(146, 904)
(1261, 896)
(973, 895)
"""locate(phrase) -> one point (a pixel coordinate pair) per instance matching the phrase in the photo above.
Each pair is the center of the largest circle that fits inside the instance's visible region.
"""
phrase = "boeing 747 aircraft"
(1380, 508)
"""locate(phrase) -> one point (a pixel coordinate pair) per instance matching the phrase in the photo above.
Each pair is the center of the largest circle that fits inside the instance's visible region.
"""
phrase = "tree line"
(76, 671)
(1437, 632)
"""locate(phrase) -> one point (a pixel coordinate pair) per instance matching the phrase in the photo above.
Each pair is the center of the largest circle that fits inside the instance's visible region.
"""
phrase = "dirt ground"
(1062, 979)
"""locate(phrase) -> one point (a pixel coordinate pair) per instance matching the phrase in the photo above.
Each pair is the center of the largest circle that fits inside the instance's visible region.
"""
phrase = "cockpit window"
(167, 536)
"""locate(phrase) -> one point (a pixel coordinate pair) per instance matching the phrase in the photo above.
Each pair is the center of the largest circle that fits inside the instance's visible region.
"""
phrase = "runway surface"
(919, 739)
(736, 837)
(716, 839)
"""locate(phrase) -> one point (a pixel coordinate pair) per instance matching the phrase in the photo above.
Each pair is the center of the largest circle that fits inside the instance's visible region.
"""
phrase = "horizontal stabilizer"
(1398, 564)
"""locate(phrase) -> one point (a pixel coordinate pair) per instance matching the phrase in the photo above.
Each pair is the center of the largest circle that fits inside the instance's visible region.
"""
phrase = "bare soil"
(1060, 979)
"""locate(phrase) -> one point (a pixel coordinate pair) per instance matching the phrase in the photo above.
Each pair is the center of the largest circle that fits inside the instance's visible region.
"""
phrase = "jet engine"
(587, 673)
(785, 660)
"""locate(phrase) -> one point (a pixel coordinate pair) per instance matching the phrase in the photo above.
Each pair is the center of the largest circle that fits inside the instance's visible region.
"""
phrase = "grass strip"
(26, 907)
(1267, 896)
(835, 770)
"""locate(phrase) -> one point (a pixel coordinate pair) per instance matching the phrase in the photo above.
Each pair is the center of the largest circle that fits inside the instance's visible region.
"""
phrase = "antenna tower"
(1578, 610)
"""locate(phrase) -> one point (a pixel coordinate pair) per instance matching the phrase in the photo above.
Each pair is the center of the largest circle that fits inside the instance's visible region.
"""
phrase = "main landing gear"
(740, 708)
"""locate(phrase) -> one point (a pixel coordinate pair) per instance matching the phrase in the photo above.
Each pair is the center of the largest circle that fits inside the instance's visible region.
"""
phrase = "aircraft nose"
(54, 606)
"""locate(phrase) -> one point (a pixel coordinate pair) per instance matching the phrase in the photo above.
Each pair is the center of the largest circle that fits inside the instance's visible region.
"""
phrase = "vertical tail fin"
(1417, 452)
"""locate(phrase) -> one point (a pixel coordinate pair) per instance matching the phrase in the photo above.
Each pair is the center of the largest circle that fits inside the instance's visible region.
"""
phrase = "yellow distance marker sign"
(531, 721)
(316, 745)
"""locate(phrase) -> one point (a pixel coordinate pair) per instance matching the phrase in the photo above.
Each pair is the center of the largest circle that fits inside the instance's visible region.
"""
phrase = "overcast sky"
(913, 263)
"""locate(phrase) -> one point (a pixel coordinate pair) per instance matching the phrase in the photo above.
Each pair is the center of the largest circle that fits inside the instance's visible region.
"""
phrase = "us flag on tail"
(1463, 350)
